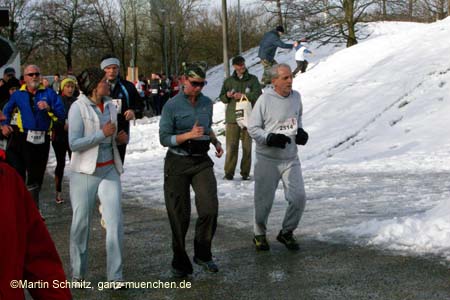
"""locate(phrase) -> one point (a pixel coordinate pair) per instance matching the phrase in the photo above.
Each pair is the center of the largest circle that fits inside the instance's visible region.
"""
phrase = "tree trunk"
(350, 22)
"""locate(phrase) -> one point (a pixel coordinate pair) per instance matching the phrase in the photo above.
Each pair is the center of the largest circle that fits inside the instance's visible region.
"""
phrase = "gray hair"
(32, 66)
(273, 71)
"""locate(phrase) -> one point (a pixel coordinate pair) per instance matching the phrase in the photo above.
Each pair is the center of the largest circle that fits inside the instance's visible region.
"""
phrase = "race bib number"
(118, 104)
(14, 119)
(288, 127)
(36, 137)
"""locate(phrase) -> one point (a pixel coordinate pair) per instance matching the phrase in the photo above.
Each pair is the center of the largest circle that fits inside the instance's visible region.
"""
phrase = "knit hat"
(89, 79)
(66, 81)
(108, 61)
(195, 70)
(280, 29)
(238, 60)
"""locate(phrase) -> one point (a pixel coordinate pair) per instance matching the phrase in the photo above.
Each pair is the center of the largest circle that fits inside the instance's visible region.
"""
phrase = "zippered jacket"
(29, 116)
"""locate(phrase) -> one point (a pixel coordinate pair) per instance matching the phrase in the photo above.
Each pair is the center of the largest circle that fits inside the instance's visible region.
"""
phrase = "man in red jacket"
(28, 257)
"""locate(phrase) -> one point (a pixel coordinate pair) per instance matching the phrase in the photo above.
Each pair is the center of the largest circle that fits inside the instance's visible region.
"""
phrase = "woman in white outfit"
(96, 167)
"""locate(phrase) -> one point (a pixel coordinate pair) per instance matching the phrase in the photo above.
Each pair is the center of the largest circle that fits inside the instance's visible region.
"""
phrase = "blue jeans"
(83, 190)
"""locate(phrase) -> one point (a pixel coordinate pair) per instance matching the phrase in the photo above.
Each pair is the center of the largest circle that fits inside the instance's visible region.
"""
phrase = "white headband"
(109, 61)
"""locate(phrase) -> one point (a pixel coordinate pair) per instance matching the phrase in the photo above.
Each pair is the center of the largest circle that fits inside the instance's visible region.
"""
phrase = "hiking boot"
(228, 177)
(261, 243)
(209, 266)
(288, 240)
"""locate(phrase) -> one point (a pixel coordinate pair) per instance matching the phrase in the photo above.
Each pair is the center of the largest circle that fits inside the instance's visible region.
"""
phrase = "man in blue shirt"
(185, 128)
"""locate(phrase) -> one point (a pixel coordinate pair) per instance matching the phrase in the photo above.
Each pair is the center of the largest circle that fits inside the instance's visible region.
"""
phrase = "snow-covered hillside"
(378, 159)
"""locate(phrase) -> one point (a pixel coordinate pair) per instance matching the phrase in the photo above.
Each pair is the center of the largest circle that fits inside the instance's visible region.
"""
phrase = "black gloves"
(277, 140)
(302, 137)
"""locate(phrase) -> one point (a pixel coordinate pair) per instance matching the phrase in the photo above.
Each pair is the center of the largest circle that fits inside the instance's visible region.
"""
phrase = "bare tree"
(64, 21)
(333, 21)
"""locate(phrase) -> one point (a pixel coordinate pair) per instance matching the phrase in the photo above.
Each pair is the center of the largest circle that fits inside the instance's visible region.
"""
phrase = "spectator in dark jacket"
(267, 49)
(124, 95)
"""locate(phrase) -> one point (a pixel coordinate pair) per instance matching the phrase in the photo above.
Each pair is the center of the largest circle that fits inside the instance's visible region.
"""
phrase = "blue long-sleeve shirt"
(179, 116)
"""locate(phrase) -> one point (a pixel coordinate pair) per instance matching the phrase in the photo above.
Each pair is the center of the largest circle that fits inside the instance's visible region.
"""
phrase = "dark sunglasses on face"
(197, 83)
(37, 74)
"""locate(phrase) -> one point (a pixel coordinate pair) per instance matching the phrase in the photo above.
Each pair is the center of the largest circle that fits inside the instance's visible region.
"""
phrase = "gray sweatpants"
(83, 191)
(268, 173)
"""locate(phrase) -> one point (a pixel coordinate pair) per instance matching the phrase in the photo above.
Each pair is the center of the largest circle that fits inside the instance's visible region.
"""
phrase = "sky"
(376, 166)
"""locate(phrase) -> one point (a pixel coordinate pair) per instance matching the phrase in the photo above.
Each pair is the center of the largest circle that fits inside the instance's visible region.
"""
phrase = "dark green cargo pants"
(234, 133)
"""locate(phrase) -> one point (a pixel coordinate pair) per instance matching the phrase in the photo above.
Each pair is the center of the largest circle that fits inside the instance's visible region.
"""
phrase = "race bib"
(288, 127)
(154, 91)
(118, 104)
(36, 137)
(14, 119)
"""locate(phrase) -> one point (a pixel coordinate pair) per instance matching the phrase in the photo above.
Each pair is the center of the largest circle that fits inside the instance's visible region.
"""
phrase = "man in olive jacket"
(240, 83)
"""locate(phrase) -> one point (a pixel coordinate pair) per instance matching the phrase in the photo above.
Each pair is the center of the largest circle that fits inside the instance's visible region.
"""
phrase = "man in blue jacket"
(37, 108)
(267, 49)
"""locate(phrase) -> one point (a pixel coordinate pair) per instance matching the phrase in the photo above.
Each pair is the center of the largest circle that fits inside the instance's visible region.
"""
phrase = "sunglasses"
(197, 83)
(37, 74)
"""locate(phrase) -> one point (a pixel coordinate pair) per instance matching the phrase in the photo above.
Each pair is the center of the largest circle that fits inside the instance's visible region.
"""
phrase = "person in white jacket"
(276, 126)
(300, 51)
(96, 167)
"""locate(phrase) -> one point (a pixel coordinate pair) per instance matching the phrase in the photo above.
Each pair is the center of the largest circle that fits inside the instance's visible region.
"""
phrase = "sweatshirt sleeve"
(256, 123)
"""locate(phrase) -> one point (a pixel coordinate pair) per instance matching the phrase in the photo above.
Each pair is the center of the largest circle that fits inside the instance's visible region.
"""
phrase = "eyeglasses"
(197, 83)
(37, 74)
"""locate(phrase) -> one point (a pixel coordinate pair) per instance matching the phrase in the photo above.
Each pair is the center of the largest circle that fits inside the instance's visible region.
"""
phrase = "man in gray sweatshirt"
(276, 126)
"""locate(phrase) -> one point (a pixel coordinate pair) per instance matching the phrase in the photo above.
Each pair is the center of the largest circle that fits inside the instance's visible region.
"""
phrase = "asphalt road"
(318, 271)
